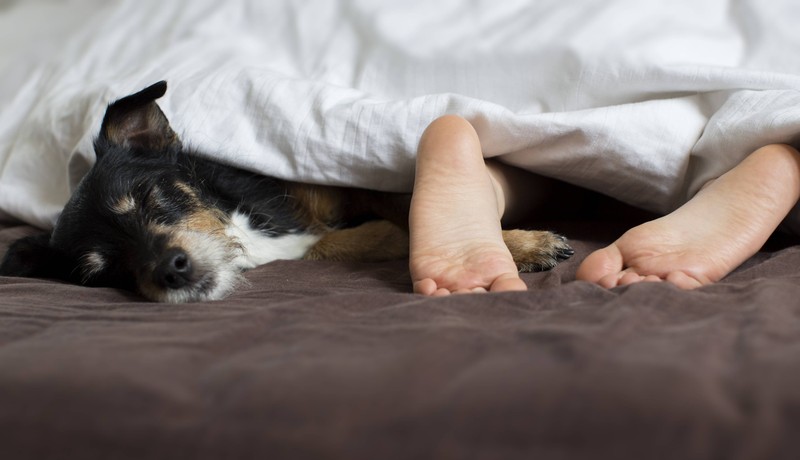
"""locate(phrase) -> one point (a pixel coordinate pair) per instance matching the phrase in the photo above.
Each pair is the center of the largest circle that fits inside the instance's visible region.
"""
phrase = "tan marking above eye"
(186, 189)
(124, 205)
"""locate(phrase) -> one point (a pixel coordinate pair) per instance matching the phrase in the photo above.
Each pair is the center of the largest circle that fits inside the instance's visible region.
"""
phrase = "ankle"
(779, 164)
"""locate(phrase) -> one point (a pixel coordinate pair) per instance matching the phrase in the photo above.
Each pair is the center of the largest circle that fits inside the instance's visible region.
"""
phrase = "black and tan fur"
(175, 226)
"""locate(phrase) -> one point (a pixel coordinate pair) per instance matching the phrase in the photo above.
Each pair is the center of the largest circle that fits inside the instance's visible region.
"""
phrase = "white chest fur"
(258, 248)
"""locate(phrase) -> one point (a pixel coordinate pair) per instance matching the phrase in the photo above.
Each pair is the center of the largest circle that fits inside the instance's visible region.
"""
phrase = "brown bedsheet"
(334, 360)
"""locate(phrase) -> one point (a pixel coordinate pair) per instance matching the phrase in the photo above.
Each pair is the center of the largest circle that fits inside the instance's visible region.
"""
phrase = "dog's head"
(137, 220)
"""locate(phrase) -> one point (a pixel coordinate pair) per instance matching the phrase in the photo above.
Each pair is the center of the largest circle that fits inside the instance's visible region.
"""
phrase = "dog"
(156, 218)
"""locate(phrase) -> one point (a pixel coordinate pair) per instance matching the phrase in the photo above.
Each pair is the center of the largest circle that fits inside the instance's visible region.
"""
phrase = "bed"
(337, 360)
(642, 103)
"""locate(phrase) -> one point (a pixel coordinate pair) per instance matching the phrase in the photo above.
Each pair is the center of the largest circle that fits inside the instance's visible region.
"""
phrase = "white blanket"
(643, 100)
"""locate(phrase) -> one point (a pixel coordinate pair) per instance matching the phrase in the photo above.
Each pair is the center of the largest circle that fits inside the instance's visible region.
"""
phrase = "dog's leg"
(532, 250)
(372, 241)
(536, 250)
(381, 240)
(388, 239)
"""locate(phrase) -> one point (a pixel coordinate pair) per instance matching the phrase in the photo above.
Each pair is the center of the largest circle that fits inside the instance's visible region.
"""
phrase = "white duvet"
(643, 100)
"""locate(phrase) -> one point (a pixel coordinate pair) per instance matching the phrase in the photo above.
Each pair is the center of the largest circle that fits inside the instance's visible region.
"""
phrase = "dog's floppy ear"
(33, 257)
(136, 121)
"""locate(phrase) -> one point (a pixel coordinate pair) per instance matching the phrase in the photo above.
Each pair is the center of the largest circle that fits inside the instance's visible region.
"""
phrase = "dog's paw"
(535, 251)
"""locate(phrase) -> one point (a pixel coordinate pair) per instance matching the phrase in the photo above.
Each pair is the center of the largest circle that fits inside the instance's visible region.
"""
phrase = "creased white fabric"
(643, 100)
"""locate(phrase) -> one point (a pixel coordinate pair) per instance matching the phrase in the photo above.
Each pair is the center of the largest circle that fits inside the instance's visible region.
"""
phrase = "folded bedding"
(640, 100)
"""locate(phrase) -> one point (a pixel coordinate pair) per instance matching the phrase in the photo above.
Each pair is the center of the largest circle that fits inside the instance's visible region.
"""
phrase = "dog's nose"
(174, 271)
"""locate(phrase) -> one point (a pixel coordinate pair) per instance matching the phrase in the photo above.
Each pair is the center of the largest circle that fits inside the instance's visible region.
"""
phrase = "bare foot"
(727, 222)
(456, 242)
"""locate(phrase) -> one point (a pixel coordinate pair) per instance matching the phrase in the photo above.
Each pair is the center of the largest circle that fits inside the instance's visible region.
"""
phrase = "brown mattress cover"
(336, 360)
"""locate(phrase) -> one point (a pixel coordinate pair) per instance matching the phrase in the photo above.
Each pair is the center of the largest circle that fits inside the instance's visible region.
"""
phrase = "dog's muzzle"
(174, 270)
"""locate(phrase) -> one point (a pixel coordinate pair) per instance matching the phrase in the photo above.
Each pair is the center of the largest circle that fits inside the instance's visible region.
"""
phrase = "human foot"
(719, 228)
(456, 243)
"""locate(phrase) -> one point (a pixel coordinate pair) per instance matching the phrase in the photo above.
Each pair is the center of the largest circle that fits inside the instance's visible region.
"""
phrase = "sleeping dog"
(152, 217)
